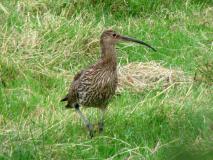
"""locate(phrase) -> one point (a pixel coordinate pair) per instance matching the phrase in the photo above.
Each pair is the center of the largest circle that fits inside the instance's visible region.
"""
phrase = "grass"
(44, 43)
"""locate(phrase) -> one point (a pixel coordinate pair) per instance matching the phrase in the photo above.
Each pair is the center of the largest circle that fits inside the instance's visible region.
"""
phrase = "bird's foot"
(90, 129)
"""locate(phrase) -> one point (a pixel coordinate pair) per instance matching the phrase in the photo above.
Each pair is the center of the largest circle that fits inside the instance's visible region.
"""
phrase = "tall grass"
(43, 44)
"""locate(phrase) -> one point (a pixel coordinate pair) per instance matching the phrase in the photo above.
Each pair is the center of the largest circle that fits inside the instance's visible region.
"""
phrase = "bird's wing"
(72, 91)
(72, 95)
(76, 84)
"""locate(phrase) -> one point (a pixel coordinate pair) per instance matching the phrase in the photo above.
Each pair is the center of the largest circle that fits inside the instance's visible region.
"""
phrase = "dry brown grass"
(139, 76)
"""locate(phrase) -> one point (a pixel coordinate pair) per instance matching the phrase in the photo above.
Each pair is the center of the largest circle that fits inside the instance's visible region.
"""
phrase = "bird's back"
(94, 86)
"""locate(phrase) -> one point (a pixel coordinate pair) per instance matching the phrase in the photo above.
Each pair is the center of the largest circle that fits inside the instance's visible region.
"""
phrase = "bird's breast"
(99, 86)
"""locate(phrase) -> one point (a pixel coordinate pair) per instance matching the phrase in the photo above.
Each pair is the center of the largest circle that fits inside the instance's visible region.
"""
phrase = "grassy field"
(44, 43)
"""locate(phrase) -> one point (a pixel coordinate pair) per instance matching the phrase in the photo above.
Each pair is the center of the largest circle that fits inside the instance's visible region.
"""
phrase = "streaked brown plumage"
(95, 86)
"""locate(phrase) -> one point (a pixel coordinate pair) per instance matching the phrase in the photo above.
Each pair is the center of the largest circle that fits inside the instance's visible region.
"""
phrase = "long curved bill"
(125, 38)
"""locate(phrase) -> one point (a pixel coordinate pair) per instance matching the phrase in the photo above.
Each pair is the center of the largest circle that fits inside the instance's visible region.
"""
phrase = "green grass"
(44, 43)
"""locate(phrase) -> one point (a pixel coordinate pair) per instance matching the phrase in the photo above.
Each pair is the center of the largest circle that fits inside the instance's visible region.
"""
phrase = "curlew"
(95, 85)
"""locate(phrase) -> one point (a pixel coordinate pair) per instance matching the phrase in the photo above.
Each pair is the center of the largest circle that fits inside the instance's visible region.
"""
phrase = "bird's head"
(111, 37)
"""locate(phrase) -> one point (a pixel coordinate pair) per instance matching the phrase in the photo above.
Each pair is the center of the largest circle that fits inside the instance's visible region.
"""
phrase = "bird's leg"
(85, 120)
(101, 121)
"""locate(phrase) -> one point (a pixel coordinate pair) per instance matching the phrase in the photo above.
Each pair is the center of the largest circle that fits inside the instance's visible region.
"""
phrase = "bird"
(96, 85)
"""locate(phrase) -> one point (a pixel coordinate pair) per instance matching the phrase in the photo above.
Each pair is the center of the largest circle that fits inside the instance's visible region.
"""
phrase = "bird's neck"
(108, 54)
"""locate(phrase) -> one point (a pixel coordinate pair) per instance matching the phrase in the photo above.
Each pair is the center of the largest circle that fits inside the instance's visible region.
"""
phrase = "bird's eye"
(114, 35)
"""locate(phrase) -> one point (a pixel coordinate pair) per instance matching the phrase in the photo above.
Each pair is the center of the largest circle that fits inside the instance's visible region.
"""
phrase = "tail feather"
(72, 105)
(65, 98)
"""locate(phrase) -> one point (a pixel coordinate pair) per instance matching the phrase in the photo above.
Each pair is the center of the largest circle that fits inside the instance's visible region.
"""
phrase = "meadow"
(44, 43)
